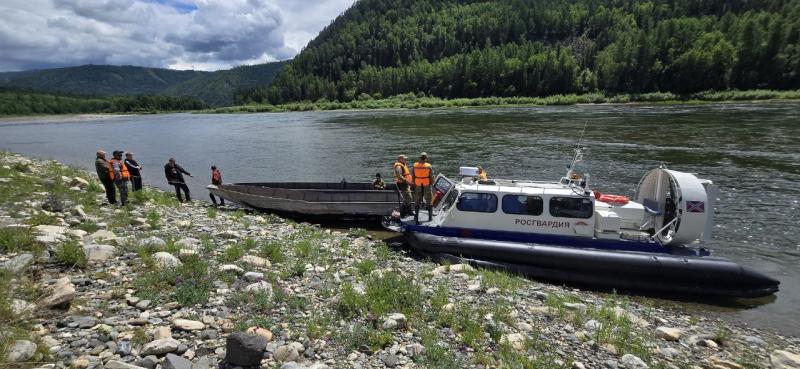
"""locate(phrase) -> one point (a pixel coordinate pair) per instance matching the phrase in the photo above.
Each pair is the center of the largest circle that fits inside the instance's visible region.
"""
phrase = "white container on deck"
(468, 171)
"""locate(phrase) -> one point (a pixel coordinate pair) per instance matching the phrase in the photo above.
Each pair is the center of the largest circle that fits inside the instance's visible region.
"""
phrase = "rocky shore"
(159, 284)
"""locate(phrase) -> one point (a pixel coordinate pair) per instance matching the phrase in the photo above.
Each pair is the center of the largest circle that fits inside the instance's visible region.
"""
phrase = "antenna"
(578, 152)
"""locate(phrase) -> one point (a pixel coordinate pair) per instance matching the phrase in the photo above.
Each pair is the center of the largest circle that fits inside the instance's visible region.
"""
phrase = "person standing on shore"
(174, 173)
(422, 182)
(216, 180)
(118, 172)
(135, 170)
(403, 180)
(102, 167)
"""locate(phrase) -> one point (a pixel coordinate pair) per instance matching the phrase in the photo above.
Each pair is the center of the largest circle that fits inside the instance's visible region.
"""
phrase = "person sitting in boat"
(378, 183)
(482, 175)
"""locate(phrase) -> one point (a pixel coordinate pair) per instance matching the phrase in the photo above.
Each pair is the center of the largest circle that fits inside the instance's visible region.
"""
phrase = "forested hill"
(449, 48)
(98, 80)
(214, 88)
(220, 87)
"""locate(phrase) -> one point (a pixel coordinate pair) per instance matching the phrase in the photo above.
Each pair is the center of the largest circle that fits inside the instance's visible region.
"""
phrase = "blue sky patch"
(181, 6)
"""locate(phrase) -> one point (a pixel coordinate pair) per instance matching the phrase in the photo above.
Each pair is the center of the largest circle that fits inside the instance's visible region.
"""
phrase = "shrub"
(15, 239)
(153, 219)
(71, 253)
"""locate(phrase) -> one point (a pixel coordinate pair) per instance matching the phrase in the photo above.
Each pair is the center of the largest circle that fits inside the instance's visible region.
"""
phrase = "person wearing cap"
(216, 180)
(118, 172)
(101, 166)
(403, 180)
(378, 183)
(174, 174)
(422, 182)
(135, 170)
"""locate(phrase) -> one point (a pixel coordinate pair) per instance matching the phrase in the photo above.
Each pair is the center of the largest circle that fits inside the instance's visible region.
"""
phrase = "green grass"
(501, 279)
(383, 294)
(41, 218)
(17, 239)
(411, 101)
(211, 212)
(189, 284)
(153, 219)
(438, 356)
(272, 251)
(70, 253)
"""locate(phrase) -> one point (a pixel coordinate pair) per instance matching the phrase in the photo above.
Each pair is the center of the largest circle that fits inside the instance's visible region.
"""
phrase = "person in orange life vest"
(118, 172)
(403, 180)
(423, 178)
(216, 180)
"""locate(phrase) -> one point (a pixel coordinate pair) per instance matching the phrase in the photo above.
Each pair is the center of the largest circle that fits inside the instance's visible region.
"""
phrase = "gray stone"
(18, 263)
(781, 359)
(202, 363)
(143, 304)
(59, 293)
(669, 334)
(99, 252)
(21, 351)
(188, 325)
(261, 286)
(153, 242)
(166, 260)
(390, 360)
(115, 364)
(754, 340)
(173, 361)
(592, 325)
(124, 348)
(633, 362)
(253, 276)
(245, 350)
(148, 362)
(230, 268)
(415, 349)
(160, 347)
(189, 243)
(286, 353)
(21, 307)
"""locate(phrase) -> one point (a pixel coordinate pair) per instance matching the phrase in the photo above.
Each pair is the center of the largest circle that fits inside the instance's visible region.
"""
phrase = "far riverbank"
(412, 101)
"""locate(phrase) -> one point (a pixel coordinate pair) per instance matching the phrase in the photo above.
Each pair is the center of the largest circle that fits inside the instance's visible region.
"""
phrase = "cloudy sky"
(178, 34)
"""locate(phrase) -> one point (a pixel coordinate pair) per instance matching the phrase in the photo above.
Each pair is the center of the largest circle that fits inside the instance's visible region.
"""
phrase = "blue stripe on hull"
(540, 238)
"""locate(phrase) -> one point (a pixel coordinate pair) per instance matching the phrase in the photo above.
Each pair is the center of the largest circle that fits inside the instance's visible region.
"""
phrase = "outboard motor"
(679, 206)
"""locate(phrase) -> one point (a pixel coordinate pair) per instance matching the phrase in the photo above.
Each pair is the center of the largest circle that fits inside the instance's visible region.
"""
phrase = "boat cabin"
(513, 209)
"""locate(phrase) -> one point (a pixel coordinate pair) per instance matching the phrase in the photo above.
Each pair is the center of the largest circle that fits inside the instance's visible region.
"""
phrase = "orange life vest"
(483, 176)
(422, 174)
(123, 169)
(405, 177)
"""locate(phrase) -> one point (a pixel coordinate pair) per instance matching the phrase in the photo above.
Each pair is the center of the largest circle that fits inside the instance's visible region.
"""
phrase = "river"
(751, 151)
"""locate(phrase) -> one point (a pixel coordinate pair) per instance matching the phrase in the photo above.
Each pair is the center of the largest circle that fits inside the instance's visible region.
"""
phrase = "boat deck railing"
(319, 192)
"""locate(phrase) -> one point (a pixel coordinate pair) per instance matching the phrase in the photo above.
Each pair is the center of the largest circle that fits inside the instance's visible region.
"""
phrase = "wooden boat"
(330, 199)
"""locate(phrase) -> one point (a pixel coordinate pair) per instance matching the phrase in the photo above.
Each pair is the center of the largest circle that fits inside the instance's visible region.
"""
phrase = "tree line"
(454, 49)
(14, 102)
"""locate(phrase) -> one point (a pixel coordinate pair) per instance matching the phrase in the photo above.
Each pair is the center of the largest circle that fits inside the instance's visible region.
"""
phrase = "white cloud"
(201, 34)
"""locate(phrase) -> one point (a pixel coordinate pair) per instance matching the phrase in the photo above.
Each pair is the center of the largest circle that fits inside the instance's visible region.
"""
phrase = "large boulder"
(244, 350)
(633, 362)
(59, 293)
(188, 325)
(153, 242)
(173, 361)
(166, 260)
(669, 334)
(50, 234)
(99, 252)
(21, 351)
(256, 261)
(781, 359)
(160, 347)
(18, 263)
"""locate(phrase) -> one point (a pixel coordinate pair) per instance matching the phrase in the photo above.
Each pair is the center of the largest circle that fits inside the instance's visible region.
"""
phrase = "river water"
(751, 151)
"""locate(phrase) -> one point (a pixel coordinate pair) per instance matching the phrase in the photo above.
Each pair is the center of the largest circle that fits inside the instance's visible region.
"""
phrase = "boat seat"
(651, 207)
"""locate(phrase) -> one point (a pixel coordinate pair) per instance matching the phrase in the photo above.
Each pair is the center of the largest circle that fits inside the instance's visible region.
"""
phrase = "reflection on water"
(750, 151)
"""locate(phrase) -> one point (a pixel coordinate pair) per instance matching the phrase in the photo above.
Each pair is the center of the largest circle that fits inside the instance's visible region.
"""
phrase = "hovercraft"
(560, 231)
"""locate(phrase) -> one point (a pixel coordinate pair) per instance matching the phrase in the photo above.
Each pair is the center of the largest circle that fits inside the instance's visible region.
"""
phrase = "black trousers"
(185, 188)
(136, 183)
(214, 199)
(111, 191)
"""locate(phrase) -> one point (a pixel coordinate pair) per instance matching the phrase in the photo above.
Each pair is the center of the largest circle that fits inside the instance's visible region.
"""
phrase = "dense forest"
(213, 88)
(14, 102)
(452, 49)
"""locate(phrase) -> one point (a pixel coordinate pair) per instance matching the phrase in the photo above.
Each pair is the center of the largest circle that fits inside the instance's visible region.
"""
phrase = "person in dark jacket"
(174, 173)
(216, 180)
(135, 170)
(101, 165)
